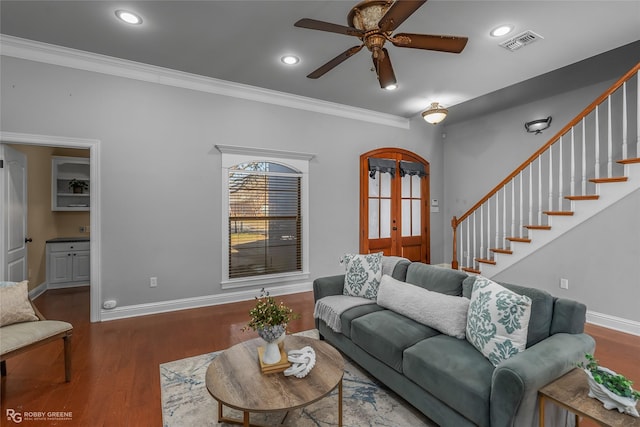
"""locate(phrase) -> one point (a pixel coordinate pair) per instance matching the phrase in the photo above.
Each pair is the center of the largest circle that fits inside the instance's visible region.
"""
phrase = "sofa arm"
(516, 381)
(325, 286)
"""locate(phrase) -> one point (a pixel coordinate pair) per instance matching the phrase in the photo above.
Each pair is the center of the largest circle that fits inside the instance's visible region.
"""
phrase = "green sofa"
(446, 378)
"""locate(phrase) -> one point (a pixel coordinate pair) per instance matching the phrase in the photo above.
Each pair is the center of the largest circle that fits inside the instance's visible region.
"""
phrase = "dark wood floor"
(115, 364)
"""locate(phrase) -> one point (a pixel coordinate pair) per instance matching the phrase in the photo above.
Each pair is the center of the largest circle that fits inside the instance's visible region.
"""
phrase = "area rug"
(366, 402)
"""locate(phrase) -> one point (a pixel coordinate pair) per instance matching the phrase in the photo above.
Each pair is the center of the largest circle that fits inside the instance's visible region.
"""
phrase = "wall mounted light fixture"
(435, 114)
(537, 126)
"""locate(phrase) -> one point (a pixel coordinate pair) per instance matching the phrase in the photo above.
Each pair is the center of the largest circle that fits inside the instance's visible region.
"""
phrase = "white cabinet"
(68, 263)
(70, 184)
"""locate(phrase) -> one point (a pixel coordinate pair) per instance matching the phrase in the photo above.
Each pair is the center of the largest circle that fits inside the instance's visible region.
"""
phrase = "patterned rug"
(366, 402)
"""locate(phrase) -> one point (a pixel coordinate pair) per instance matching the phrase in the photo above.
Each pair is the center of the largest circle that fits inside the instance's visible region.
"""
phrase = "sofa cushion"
(542, 306)
(437, 279)
(445, 313)
(498, 320)
(386, 334)
(453, 371)
(353, 313)
(362, 274)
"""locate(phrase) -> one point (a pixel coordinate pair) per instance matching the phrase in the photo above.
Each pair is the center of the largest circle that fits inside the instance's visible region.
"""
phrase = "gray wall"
(160, 173)
(599, 257)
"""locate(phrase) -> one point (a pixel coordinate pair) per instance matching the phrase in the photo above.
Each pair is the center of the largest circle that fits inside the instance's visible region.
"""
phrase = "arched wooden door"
(394, 204)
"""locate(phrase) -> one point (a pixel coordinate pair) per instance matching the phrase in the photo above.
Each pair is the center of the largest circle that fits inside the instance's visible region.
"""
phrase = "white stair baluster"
(584, 158)
(481, 232)
(468, 263)
(498, 220)
(540, 189)
(573, 163)
(551, 178)
(624, 122)
(504, 217)
(597, 147)
(638, 113)
(521, 208)
(475, 240)
(560, 176)
(609, 140)
(488, 229)
(513, 207)
(530, 193)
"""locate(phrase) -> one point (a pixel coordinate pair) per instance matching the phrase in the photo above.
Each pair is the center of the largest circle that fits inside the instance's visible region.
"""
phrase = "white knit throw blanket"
(329, 309)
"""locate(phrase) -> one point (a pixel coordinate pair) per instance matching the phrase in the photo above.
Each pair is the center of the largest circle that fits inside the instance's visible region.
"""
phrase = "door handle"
(28, 240)
(394, 228)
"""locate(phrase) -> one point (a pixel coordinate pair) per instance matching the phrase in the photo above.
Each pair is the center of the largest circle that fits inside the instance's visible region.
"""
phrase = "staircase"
(583, 169)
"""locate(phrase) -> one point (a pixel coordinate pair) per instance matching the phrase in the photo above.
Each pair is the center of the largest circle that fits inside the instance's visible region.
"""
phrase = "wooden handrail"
(549, 143)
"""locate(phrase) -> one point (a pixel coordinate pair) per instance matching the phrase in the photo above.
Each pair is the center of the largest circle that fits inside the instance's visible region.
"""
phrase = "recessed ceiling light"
(502, 30)
(290, 59)
(392, 86)
(128, 17)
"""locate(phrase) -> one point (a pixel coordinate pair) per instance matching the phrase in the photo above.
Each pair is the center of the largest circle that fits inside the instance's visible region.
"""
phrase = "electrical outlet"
(153, 282)
(564, 283)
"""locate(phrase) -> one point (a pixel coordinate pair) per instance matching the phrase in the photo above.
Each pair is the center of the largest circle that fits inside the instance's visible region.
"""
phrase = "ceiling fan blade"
(452, 44)
(386, 76)
(313, 24)
(398, 13)
(335, 62)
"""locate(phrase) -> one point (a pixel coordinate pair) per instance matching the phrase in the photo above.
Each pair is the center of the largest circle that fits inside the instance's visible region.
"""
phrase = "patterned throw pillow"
(14, 304)
(362, 274)
(498, 320)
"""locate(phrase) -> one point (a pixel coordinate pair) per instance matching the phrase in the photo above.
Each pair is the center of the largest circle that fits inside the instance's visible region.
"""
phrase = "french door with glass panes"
(394, 208)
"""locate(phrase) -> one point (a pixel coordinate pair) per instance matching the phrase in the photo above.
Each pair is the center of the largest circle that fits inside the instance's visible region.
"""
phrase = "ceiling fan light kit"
(435, 113)
(373, 22)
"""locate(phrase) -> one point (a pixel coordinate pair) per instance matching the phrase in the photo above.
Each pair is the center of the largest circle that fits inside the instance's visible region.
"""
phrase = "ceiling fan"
(373, 22)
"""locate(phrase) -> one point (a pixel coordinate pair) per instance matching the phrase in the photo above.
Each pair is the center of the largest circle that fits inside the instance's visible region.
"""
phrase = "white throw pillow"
(446, 313)
(362, 274)
(14, 304)
(498, 320)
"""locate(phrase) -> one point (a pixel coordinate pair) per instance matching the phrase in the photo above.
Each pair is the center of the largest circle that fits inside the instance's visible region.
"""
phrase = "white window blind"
(265, 220)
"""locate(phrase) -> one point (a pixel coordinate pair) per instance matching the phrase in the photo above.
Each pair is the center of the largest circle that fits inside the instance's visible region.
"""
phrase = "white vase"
(272, 335)
(609, 399)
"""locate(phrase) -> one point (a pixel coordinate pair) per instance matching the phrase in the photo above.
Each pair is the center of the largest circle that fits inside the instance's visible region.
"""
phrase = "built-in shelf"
(63, 171)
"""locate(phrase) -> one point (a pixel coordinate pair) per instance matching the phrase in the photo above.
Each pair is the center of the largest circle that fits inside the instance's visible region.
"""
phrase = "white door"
(15, 214)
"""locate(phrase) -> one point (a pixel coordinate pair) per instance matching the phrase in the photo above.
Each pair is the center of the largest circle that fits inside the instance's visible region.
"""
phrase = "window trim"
(234, 155)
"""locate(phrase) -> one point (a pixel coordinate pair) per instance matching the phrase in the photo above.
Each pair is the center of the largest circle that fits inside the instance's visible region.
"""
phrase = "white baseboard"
(66, 285)
(196, 302)
(612, 322)
(37, 291)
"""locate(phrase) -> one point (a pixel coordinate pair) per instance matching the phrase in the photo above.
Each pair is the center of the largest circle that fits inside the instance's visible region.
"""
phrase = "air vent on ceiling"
(520, 40)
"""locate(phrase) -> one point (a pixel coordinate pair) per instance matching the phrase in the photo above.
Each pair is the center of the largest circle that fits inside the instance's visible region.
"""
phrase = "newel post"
(454, 261)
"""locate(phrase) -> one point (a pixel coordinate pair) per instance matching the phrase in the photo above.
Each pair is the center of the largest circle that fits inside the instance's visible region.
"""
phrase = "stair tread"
(519, 239)
(486, 261)
(538, 227)
(585, 197)
(502, 251)
(608, 180)
(558, 213)
(471, 270)
(629, 161)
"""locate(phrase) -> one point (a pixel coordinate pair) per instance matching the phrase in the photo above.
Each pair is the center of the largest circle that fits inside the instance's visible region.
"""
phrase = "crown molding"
(72, 58)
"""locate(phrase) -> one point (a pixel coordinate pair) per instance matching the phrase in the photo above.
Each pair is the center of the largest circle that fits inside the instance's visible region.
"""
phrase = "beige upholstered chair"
(20, 337)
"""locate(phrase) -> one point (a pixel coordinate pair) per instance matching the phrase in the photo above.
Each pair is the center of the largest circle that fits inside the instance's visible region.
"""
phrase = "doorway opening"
(45, 220)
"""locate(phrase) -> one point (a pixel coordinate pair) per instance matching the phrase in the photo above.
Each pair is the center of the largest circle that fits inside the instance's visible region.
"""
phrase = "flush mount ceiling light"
(502, 30)
(128, 17)
(435, 114)
(290, 59)
(537, 126)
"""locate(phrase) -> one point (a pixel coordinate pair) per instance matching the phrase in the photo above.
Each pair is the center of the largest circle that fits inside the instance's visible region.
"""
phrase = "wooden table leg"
(246, 419)
(340, 403)
(541, 411)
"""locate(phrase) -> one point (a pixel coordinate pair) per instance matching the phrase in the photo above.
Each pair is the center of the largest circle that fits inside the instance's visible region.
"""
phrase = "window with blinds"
(264, 220)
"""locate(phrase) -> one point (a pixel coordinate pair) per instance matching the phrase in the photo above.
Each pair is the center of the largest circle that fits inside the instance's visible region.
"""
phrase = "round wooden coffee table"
(234, 379)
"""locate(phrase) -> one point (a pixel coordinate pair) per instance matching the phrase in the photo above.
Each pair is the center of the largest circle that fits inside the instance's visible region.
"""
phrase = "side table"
(571, 393)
